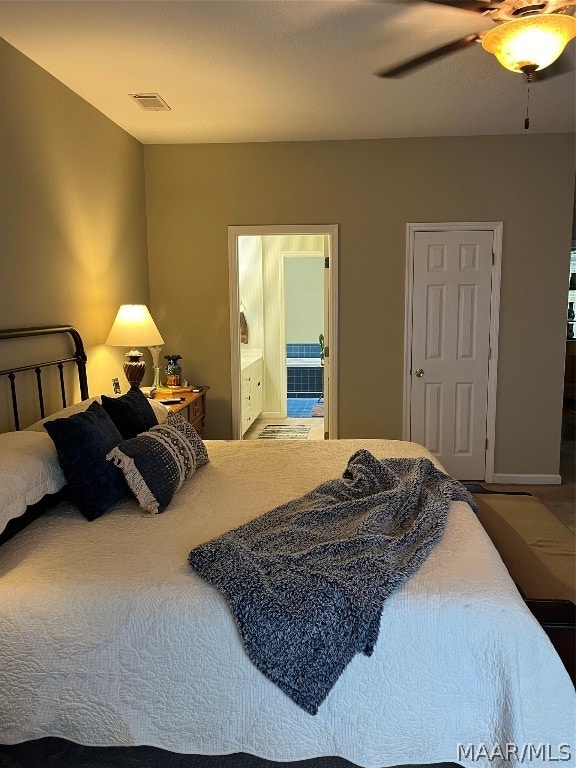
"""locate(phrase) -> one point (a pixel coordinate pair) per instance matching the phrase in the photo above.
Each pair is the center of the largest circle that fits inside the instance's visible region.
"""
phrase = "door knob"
(419, 372)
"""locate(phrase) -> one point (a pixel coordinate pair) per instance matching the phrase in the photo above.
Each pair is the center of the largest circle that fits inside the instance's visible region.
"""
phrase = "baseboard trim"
(527, 479)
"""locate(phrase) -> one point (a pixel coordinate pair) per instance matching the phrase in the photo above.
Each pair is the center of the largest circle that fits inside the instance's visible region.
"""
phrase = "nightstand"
(192, 407)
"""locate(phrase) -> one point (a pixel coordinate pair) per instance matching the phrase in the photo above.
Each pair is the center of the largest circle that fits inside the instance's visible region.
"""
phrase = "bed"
(108, 638)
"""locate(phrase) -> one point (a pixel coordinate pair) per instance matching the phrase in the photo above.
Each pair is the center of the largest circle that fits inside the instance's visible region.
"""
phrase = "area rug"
(284, 432)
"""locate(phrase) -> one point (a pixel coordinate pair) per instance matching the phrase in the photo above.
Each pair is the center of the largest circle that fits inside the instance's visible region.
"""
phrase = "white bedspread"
(108, 638)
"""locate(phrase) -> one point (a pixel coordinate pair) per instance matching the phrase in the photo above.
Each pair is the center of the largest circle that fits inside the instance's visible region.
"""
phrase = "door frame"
(284, 256)
(234, 232)
(496, 227)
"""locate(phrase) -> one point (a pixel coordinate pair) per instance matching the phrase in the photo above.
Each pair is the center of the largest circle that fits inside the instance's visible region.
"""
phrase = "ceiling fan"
(546, 26)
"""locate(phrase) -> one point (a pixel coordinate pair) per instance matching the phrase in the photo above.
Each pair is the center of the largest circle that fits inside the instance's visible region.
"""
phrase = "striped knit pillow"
(156, 463)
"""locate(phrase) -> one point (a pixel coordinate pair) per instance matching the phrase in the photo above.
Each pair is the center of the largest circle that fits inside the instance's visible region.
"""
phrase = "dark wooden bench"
(540, 555)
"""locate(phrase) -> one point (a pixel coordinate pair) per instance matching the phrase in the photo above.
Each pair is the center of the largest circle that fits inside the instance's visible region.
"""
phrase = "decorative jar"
(173, 370)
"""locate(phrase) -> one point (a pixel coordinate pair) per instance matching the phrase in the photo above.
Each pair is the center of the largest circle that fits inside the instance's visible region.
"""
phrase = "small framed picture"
(116, 386)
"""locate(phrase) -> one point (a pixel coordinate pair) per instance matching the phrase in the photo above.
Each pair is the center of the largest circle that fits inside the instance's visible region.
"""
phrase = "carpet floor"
(58, 753)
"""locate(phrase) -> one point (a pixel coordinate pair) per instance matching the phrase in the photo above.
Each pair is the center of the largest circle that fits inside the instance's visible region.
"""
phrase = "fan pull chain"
(528, 70)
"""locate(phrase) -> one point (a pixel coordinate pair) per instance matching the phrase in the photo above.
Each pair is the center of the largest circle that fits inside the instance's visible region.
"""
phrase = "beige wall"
(371, 189)
(72, 213)
(250, 289)
(304, 291)
(73, 246)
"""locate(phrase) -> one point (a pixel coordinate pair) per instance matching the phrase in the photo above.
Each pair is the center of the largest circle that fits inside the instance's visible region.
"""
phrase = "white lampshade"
(532, 42)
(134, 328)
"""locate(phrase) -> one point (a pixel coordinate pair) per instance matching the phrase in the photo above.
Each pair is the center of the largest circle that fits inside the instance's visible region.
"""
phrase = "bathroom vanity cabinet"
(251, 389)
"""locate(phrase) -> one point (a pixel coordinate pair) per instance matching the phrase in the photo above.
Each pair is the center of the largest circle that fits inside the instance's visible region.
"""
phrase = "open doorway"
(304, 334)
(283, 304)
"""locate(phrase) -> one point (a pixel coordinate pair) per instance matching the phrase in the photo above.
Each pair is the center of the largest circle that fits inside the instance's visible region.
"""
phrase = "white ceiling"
(274, 70)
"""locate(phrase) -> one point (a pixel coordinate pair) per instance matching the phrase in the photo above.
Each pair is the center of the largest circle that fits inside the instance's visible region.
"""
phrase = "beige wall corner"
(72, 212)
(372, 189)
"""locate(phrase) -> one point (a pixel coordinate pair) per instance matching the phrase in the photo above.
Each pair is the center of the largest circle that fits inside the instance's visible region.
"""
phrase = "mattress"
(108, 638)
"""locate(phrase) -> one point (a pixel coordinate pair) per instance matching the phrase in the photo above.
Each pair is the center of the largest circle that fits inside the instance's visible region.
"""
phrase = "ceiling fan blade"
(418, 61)
(476, 6)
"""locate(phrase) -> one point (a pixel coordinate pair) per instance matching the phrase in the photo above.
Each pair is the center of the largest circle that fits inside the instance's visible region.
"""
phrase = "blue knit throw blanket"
(306, 581)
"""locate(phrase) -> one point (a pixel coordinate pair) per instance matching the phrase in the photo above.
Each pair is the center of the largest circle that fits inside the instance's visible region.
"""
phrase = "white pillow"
(29, 469)
(38, 426)
(161, 411)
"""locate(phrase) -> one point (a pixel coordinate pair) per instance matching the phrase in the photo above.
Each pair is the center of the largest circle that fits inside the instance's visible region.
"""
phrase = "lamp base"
(134, 369)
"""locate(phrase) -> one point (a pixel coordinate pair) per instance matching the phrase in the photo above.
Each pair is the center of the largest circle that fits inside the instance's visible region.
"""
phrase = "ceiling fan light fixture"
(533, 41)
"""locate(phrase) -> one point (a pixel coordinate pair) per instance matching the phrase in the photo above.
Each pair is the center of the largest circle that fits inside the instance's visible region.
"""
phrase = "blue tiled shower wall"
(304, 381)
(303, 350)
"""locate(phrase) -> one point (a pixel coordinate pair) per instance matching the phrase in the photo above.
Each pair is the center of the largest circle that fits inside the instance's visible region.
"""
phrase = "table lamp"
(134, 327)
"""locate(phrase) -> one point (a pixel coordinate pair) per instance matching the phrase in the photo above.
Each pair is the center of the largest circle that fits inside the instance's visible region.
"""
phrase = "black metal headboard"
(78, 358)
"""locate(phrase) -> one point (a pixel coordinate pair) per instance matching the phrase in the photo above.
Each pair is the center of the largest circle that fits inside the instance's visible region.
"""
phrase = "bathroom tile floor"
(299, 414)
(301, 407)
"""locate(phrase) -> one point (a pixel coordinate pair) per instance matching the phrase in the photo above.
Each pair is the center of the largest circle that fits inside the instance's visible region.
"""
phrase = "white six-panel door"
(451, 346)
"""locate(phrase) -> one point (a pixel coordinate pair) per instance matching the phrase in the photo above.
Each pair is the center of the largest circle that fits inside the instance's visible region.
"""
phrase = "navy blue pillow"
(82, 442)
(132, 413)
(156, 463)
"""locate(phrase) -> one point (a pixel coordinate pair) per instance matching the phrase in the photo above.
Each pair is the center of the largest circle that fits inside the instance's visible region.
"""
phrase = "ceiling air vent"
(150, 102)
